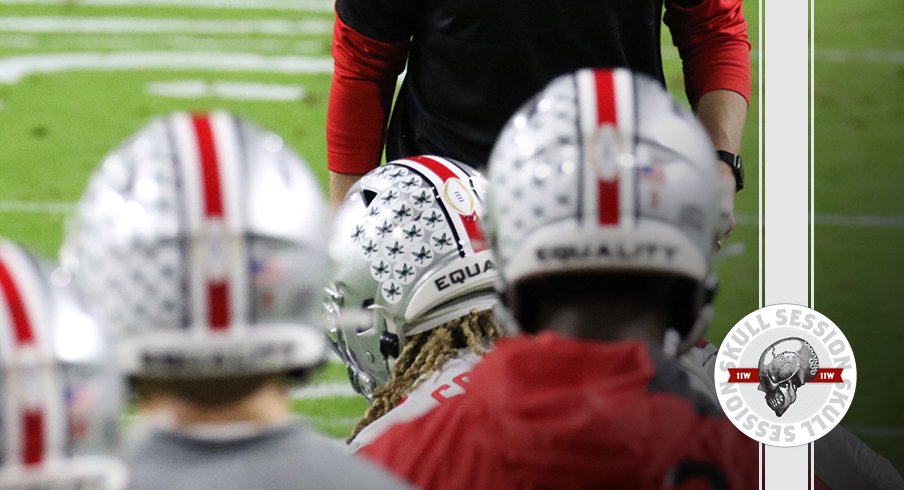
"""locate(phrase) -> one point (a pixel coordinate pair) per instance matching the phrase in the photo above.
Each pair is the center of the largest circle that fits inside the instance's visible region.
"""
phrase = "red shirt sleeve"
(711, 37)
(364, 78)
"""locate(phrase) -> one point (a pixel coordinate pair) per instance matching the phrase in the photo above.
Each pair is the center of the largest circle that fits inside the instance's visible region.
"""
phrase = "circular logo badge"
(785, 375)
(458, 197)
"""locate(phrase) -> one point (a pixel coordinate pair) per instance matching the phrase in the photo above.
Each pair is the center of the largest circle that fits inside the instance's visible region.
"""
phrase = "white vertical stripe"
(623, 93)
(786, 214)
(786, 148)
(192, 187)
(623, 86)
(10, 427)
(812, 119)
(225, 135)
(586, 96)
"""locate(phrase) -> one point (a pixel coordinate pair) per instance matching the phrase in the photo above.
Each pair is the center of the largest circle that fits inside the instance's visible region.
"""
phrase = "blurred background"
(79, 76)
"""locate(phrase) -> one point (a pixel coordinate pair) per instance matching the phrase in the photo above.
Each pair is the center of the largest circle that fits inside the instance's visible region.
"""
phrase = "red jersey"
(554, 412)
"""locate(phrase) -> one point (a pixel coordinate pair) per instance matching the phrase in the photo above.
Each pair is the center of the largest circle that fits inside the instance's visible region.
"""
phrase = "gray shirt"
(288, 457)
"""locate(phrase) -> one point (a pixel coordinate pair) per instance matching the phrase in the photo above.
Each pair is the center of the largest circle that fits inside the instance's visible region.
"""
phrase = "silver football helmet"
(410, 255)
(602, 170)
(60, 398)
(200, 241)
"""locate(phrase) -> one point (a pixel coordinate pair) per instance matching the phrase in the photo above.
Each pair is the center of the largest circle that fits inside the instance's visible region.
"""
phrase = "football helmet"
(199, 241)
(602, 170)
(409, 256)
(60, 397)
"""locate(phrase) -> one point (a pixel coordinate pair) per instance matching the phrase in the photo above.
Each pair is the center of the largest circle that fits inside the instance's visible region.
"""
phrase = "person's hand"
(728, 186)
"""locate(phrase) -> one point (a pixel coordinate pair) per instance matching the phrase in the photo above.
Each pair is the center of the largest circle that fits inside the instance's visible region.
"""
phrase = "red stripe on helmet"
(218, 311)
(218, 305)
(606, 113)
(608, 202)
(32, 436)
(471, 222)
(210, 168)
(605, 97)
(21, 324)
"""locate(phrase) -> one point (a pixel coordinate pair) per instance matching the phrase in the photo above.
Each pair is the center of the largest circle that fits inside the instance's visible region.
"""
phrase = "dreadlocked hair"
(424, 354)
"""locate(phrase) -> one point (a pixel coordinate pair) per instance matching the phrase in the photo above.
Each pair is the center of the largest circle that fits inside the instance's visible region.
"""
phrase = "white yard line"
(139, 25)
(338, 389)
(228, 90)
(839, 56)
(841, 220)
(179, 42)
(294, 5)
(878, 56)
(15, 68)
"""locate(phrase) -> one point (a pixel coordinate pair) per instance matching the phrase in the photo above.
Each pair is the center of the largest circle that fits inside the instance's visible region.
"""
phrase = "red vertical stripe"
(218, 305)
(606, 113)
(475, 232)
(21, 325)
(605, 97)
(217, 291)
(33, 436)
(210, 168)
(608, 202)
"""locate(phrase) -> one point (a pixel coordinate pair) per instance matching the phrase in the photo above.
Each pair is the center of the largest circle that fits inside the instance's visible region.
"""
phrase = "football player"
(603, 214)
(60, 398)
(413, 288)
(200, 242)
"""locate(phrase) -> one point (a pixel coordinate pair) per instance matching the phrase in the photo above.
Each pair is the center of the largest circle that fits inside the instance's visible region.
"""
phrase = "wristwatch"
(737, 167)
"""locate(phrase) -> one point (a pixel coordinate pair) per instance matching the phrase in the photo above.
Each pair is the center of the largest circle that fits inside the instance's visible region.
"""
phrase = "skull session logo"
(785, 375)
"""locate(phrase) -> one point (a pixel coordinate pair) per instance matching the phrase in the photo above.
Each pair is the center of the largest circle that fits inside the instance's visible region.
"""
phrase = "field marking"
(228, 90)
(15, 68)
(841, 220)
(840, 56)
(139, 25)
(879, 56)
(337, 389)
(293, 5)
(184, 42)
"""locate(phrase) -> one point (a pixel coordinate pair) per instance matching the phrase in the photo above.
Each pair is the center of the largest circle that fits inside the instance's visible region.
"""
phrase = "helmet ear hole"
(389, 345)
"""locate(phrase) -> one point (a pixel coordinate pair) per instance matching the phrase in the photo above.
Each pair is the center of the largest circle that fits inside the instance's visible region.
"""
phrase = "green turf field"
(76, 77)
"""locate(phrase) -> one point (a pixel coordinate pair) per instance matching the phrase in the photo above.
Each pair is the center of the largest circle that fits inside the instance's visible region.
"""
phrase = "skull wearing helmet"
(784, 367)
